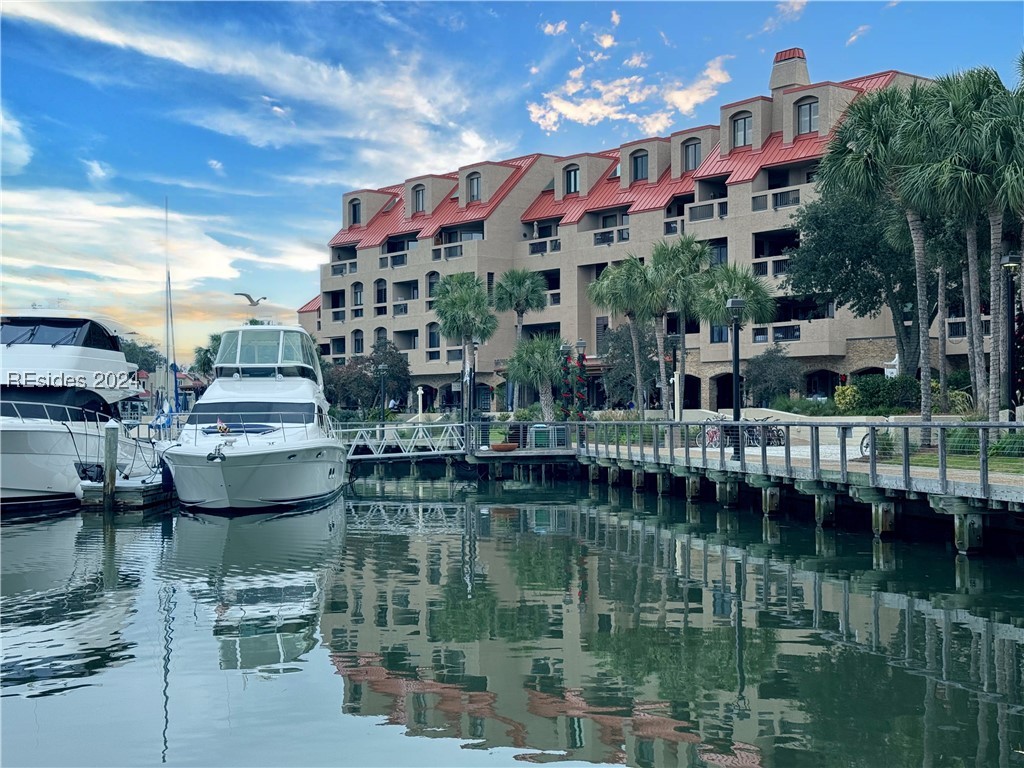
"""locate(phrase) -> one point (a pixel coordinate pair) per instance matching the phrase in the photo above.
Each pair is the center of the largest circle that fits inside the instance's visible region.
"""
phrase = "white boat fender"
(79, 492)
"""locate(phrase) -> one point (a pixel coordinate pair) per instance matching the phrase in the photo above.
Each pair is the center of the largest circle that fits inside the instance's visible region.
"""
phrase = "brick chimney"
(790, 69)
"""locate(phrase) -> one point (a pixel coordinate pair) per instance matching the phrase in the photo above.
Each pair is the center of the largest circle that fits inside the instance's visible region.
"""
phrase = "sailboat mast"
(172, 366)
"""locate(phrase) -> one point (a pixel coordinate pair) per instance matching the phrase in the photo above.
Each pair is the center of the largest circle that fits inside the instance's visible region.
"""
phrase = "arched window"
(572, 179)
(357, 342)
(743, 130)
(691, 154)
(355, 212)
(357, 294)
(807, 116)
(419, 199)
(380, 334)
(432, 280)
(433, 336)
(638, 165)
(380, 291)
(473, 184)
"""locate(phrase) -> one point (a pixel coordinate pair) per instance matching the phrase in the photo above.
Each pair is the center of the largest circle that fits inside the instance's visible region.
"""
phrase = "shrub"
(532, 412)
(962, 440)
(847, 398)
(1011, 446)
(959, 379)
(872, 390)
(903, 392)
(805, 407)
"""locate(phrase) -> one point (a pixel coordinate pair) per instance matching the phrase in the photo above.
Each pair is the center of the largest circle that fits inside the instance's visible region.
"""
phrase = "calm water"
(445, 624)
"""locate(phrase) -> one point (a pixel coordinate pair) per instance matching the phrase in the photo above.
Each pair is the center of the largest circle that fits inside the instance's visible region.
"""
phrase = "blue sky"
(252, 119)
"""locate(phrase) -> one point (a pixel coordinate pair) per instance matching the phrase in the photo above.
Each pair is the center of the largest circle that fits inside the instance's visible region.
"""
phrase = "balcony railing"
(453, 251)
(605, 237)
(338, 315)
(702, 212)
(723, 209)
(337, 270)
(435, 254)
(761, 268)
(552, 244)
(957, 329)
(674, 226)
(786, 198)
(780, 267)
(399, 260)
(760, 335)
(399, 309)
(759, 203)
(786, 333)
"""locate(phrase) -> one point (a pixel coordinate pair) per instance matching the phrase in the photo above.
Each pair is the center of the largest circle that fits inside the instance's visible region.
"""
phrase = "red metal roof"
(789, 53)
(394, 222)
(873, 82)
(312, 305)
(742, 164)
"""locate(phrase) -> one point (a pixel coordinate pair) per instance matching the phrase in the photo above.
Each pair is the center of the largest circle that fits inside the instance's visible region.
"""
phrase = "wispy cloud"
(687, 97)
(591, 104)
(857, 34)
(216, 166)
(636, 61)
(616, 18)
(785, 12)
(17, 153)
(97, 171)
(557, 28)
(665, 40)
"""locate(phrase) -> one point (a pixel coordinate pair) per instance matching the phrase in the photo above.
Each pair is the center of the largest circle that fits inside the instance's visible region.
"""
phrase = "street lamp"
(1010, 263)
(382, 371)
(472, 380)
(581, 347)
(673, 339)
(566, 350)
(735, 306)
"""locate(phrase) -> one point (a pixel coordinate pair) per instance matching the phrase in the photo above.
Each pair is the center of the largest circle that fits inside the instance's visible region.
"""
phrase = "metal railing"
(284, 426)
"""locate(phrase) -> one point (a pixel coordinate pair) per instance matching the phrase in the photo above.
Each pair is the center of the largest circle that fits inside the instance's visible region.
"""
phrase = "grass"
(1008, 464)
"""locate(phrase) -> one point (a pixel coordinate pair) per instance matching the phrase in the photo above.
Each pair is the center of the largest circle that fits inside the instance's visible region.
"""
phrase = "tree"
(520, 291)
(664, 282)
(397, 380)
(770, 374)
(352, 385)
(616, 290)
(535, 362)
(146, 356)
(204, 357)
(845, 257)
(721, 283)
(619, 378)
(868, 156)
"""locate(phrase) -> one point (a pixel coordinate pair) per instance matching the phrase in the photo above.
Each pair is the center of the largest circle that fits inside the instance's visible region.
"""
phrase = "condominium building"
(735, 185)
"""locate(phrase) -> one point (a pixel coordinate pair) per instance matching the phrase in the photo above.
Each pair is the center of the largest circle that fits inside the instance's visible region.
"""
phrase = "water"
(439, 624)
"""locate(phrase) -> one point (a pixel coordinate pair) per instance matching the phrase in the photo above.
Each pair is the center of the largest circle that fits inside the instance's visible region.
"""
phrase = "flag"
(222, 427)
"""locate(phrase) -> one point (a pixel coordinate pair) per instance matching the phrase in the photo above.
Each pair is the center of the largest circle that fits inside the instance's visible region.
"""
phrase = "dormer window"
(355, 213)
(807, 116)
(473, 185)
(638, 165)
(572, 179)
(743, 130)
(419, 199)
(691, 154)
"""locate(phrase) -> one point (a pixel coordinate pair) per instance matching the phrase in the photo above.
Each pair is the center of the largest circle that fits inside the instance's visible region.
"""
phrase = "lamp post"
(566, 350)
(472, 380)
(673, 339)
(581, 347)
(735, 306)
(382, 371)
(1010, 263)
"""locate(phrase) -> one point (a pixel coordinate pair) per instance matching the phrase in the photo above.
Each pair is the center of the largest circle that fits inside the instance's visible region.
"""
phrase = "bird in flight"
(252, 302)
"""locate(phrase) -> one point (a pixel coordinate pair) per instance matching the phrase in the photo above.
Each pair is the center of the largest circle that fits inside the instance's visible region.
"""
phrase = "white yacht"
(260, 437)
(62, 378)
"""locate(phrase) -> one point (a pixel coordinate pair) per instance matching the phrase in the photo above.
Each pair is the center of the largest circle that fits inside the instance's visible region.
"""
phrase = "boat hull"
(40, 460)
(287, 476)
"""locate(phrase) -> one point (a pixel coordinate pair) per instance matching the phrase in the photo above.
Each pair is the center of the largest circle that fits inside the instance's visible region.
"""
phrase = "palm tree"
(868, 156)
(717, 285)
(615, 290)
(520, 291)
(537, 363)
(204, 357)
(464, 313)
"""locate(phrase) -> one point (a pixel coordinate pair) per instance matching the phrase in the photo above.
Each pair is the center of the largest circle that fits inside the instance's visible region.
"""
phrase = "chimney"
(790, 69)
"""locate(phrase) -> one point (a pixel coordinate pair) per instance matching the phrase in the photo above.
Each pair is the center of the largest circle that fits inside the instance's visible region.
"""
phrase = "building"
(734, 185)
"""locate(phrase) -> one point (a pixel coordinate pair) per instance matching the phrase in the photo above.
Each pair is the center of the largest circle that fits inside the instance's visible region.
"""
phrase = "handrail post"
(905, 435)
(872, 455)
(942, 459)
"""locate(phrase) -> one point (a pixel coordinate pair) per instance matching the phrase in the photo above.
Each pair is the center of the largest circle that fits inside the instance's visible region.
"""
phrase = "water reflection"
(555, 624)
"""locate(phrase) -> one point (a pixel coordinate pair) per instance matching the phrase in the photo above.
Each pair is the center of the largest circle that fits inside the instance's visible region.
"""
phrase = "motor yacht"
(63, 377)
(260, 437)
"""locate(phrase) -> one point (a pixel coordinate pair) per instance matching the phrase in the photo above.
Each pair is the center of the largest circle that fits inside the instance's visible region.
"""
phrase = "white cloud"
(785, 12)
(636, 61)
(605, 41)
(591, 104)
(686, 98)
(15, 150)
(858, 33)
(97, 171)
(598, 57)
(216, 166)
(665, 40)
(554, 29)
(616, 18)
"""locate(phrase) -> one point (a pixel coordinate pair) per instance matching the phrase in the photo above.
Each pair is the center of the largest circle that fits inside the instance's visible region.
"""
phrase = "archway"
(820, 384)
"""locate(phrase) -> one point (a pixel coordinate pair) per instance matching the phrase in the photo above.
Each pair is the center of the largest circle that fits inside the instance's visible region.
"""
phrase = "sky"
(216, 138)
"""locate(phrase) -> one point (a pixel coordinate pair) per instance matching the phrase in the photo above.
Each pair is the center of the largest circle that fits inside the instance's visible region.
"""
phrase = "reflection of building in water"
(622, 640)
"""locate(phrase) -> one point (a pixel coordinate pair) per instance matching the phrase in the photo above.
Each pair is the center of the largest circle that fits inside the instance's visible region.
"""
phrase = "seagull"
(252, 302)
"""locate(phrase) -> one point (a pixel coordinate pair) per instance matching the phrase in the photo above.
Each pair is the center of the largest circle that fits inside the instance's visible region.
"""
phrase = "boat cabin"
(267, 352)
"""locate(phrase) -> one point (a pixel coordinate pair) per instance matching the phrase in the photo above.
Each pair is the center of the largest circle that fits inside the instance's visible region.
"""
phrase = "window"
(743, 130)
(807, 117)
(572, 179)
(355, 213)
(691, 155)
(719, 254)
(719, 334)
(638, 162)
(432, 280)
(357, 342)
(433, 336)
(380, 334)
(380, 291)
(419, 199)
(357, 294)
(473, 182)
(609, 220)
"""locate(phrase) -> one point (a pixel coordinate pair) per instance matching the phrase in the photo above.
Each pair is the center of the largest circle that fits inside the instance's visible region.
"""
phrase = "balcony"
(337, 270)
(785, 198)
(400, 309)
(702, 212)
(759, 203)
(674, 226)
(760, 335)
(760, 268)
(552, 245)
(780, 267)
(609, 236)
(453, 251)
(786, 333)
(338, 315)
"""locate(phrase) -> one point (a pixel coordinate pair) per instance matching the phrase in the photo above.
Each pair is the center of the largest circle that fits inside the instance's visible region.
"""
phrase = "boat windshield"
(55, 332)
(267, 352)
(241, 412)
